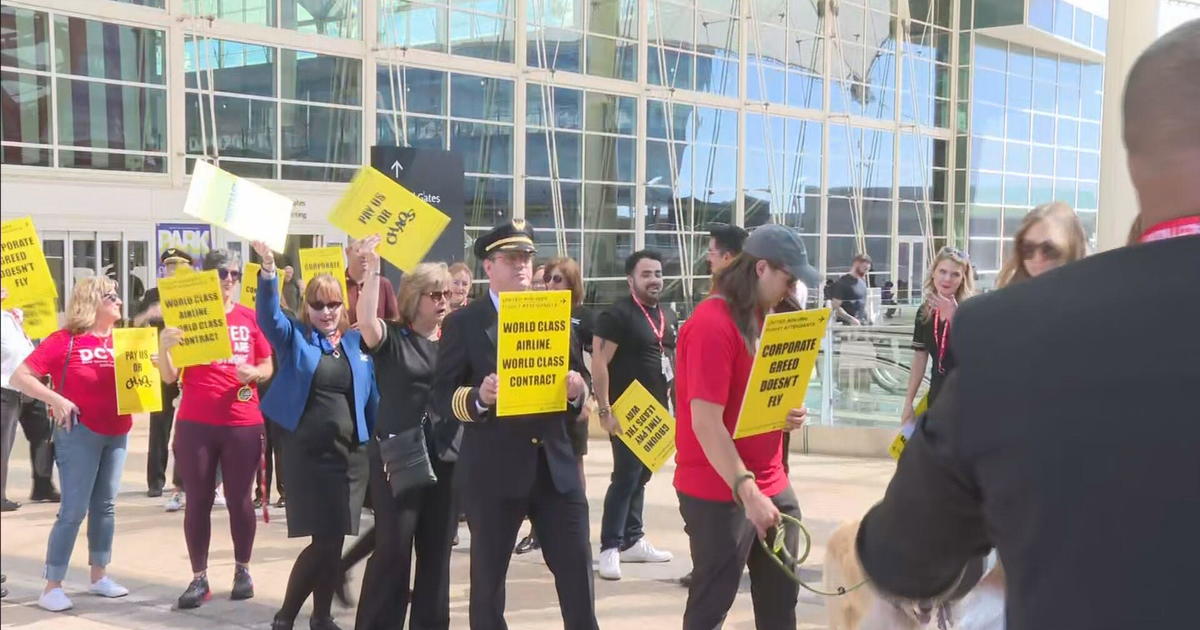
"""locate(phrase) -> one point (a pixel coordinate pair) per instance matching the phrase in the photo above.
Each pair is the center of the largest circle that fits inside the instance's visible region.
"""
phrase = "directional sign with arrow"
(437, 177)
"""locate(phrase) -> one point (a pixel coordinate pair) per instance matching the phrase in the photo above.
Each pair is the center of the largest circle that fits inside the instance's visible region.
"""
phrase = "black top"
(1067, 438)
(583, 321)
(638, 356)
(852, 291)
(328, 421)
(927, 336)
(404, 366)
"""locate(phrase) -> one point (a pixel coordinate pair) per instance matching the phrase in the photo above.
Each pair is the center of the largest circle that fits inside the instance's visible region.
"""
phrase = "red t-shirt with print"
(90, 380)
(713, 364)
(209, 393)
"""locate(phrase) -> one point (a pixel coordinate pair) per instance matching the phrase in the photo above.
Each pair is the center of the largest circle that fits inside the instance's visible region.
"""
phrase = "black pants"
(160, 443)
(420, 522)
(561, 521)
(274, 461)
(723, 542)
(621, 523)
(15, 409)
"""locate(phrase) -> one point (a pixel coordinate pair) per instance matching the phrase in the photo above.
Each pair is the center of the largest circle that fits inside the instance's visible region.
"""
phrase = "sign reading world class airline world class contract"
(782, 368)
(533, 350)
(192, 303)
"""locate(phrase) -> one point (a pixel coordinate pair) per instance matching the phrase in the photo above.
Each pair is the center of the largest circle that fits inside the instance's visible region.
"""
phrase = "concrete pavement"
(149, 557)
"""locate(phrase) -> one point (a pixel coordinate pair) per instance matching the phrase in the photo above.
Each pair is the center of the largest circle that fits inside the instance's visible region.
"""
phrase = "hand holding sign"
(265, 255)
(366, 256)
(796, 419)
(576, 386)
(489, 390)
(376, 204)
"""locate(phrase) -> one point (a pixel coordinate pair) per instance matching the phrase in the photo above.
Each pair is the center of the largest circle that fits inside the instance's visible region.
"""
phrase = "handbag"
(406, 464)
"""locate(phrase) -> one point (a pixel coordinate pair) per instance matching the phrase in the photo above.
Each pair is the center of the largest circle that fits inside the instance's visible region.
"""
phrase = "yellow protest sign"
(138, 386)
(647, 428)
(38, 318)
(23, 269)
(782, 367)
(192, 302)
(376, 204)
(533, 352)
(249, 284)
(238, 205)
(898, 444)
(318, 260)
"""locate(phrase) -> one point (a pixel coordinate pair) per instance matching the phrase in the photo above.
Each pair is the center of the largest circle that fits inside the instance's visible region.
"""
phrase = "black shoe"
(322, 623)
(243, 586)
(258, 504)
(9, 506)
(527, 544)
(282, 502)
(3, 591)
(686, 581)
(279, 623)
(154, 493)
(45, 495)
(197, 593)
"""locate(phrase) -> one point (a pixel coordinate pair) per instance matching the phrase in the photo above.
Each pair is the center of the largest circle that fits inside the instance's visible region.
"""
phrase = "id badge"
(667, 370)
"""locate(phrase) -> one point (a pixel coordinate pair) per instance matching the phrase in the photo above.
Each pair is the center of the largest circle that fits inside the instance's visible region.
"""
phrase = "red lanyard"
(658, 331)
(941, 340)
(1183, 226)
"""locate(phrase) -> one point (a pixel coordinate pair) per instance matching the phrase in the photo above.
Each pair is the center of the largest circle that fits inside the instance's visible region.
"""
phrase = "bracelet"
(737, 483)
(604, 411)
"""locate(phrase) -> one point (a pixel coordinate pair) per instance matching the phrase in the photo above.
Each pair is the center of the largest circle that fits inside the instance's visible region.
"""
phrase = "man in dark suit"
(511, 467)
(1068, 435)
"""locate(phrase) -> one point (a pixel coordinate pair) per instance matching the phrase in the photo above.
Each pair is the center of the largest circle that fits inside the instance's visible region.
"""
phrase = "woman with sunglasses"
(324, 396)
(563, 274)
(1050, 236)
(219, 427)
(90, 437)
(949, 282)
(417, 521)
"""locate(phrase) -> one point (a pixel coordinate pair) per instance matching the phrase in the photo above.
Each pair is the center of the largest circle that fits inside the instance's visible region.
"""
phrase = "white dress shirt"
(15, 346)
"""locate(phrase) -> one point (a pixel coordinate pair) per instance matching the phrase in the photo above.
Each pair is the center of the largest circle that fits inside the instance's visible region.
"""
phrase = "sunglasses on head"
(321, 306)
(1049, 250)
(225, 274)
(438, 296)
(954, 251)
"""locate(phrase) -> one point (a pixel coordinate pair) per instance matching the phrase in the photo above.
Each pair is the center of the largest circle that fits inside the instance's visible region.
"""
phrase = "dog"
(981, 608)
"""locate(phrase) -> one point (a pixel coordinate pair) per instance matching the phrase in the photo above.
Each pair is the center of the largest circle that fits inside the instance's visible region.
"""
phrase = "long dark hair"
(737, 284)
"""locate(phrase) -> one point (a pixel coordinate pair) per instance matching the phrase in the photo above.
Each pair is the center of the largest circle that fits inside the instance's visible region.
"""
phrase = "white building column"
(1132, 26)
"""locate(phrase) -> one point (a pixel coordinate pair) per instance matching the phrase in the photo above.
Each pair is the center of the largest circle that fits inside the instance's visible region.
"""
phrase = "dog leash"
(778, 553)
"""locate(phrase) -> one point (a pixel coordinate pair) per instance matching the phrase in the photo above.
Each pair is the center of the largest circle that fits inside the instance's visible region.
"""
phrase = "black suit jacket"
(1069, 438)
(498, 456)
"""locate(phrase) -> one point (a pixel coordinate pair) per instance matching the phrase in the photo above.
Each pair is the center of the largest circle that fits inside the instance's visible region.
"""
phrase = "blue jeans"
(621, 524)
(89, 470)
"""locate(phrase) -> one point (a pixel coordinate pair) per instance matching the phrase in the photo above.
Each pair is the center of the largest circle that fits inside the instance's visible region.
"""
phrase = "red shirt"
(90, 378)
(210, 392)
(713, 364)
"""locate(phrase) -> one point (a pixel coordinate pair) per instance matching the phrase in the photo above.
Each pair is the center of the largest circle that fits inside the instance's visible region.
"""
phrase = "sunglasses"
(438, 296)
(229, 273)
(556, 278)
(322, 306)
(1049, 250)
(111, 297)
(954, 251)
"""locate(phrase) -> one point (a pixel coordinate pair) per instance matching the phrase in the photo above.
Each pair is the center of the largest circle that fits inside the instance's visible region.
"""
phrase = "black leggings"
(316, 572)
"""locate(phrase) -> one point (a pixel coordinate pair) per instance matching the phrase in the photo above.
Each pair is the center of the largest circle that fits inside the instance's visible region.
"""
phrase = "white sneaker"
(174, 504)
(55, 601)
(643, 551)
(219, 499)
(610, 564)
(106, 587)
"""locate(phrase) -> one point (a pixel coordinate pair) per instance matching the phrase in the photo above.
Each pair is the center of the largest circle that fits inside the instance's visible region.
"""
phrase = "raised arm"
(271, 319)
(367, 260)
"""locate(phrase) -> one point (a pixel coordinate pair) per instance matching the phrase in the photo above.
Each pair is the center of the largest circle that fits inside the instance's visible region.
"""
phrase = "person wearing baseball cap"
(732, 491)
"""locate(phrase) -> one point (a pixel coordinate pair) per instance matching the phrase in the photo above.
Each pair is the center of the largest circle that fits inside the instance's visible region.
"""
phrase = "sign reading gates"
(318, 260)
(375, 204)
(647, 428)
(23, 269)
(533, 352)
(436, 177)
(782, 368)
(138, 383)
(193, 238)
(192, 303)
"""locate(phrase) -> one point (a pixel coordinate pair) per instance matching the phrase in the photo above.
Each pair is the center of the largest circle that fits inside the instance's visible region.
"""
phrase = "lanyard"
(1183, 226)
(941, 340)
(658, 331)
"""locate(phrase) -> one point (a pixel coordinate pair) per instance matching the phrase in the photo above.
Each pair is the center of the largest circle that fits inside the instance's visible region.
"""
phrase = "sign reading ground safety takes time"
(782, 368)
(533, 350)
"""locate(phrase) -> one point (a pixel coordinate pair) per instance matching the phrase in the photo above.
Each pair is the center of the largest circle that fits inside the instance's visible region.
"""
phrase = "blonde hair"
(325, 288)
(1056, 212)
(965, 290)
(425, 278)
(461, 267)
(85, 300)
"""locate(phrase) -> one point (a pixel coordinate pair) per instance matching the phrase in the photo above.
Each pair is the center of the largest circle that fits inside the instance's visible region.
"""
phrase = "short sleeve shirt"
(639, 355)
(927, 337)
(212, 393)
(852, 291)
(90, 378)
(714, 366)
(404, 364)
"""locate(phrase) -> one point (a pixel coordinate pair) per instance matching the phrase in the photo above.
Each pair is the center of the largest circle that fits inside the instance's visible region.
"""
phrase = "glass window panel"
(988, 154)
(1089, 135)
(678, 67)
(481, 36)
(618, 18)
(406, 24)
(1041, 14)
(484, 148)
(611, 114)
(1013, 218)
(25, 156)
(601, 295)
(236, 67)
(986, 188)
(1016, 157)
(1089, 165)
(564, 105)
(555, 49)
(1020, 92)
(612, 58)
(260, 12)
(1088, 195)
(804, 90)
(717, 75)
(988, 120)
(1043, 160)
(671, 24)
(481, 98)
(1018, 125)
(1043, 128)
(843, 215)
(101, 161)
(1064, 191)
(306, 76)
(605, 253)
(841, 252)
(659, 171)
(985, 254)
(332, 19)
(990, 53)
(24, 111)
(488, 200)
(24, 38)
(608, 207)
(661, 205)
(130, 53)
(1064, 19)
(317, 173)
(1016, 190)
(1068, 133)
(610, 158)
(310, 133)
(1041, 190)
(245, 127)
(256, 170)
(428, 133)
(1066, 163)
(107, 116)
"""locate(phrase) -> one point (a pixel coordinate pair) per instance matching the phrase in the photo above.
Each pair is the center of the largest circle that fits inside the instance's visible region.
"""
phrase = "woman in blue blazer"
(324, 395)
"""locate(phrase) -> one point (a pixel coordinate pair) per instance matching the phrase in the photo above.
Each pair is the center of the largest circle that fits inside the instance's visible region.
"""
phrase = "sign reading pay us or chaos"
(647, 428)
(375, 204)
(532, 352)
(192, 302)
(782, 368)
(138, 383)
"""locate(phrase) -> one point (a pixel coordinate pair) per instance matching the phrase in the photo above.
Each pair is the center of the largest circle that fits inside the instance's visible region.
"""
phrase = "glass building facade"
(890, 127)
